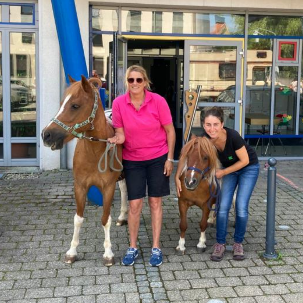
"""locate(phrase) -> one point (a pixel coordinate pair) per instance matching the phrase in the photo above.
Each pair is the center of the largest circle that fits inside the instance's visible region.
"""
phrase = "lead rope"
(215, 194)
(113, 155)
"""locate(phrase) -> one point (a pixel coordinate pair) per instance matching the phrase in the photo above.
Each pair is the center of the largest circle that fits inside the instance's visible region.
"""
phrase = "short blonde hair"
(139, 69)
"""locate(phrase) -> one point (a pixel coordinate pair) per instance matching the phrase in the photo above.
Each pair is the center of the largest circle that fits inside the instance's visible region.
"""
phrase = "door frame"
(8, 140)
(238, 104)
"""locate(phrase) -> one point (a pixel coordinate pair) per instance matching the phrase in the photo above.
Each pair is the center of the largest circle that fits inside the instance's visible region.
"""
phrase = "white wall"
(50, 75)
(49, 79)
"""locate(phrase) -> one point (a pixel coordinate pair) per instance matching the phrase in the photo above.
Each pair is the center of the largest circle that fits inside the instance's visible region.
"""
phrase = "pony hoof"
(70, 259)
(180, 252)
(201, 249)
(121, 222)
(108, 261)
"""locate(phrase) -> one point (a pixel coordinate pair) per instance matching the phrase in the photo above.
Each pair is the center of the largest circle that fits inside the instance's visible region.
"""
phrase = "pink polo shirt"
(145, 137)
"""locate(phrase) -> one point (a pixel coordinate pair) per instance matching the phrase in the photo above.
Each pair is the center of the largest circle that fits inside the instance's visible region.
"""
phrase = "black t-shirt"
(234, 142)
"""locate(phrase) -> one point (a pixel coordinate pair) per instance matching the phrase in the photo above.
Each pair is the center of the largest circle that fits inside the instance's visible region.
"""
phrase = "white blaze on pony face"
(61, 108)
(63, 105)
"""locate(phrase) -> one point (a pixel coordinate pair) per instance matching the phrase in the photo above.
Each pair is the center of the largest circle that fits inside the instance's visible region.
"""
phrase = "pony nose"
(45, 135)
(190, 183)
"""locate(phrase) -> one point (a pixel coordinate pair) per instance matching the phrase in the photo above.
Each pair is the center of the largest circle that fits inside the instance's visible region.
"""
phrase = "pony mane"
(204, 147)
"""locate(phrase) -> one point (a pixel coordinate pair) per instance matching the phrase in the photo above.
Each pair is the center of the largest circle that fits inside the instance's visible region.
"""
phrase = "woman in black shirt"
(240, 169)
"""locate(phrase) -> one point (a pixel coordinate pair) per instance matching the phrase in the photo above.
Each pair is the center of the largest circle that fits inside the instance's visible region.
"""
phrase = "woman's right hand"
(178, 187)
(112, 140)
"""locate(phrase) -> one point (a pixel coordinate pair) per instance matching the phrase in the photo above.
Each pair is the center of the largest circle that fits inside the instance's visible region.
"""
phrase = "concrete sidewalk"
(36, 226)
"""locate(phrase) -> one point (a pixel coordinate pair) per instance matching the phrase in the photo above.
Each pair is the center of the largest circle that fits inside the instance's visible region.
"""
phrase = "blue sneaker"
(156, 257)
(130, 256)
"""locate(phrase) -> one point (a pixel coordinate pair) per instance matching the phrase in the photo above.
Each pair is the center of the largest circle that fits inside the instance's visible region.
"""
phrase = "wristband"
(170, 160)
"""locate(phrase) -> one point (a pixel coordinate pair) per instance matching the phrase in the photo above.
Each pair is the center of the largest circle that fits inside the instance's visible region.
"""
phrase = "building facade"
(245, 57)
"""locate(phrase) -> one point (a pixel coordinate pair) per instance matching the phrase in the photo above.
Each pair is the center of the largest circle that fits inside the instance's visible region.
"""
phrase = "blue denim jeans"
(245, 179)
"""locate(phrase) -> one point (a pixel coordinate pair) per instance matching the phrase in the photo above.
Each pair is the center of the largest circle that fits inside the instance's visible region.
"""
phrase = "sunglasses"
(132, 80)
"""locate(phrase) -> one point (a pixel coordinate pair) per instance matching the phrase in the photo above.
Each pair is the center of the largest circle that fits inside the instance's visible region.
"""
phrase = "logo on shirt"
(230, 158)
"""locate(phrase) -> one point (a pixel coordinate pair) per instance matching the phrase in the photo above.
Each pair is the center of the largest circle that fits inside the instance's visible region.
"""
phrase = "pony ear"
(85, 85)
(192, 136)
(71, 80)
(95, 82)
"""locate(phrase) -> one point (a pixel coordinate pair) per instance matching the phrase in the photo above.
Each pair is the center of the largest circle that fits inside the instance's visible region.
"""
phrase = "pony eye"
(75, 106)
(205, 158)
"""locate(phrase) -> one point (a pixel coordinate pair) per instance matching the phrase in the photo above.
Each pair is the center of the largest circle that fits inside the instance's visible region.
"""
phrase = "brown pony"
(95, 162)
(199, 185)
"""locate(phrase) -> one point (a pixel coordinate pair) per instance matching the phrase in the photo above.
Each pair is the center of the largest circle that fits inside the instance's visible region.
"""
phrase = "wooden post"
(191, 99)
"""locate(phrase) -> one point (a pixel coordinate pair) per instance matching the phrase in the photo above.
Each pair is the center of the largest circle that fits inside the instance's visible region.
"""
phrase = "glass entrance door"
(216, 66)
(120, 64)
(18, 120)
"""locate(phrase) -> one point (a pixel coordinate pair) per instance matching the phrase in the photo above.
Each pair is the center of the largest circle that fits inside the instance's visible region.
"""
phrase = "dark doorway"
(163, 73)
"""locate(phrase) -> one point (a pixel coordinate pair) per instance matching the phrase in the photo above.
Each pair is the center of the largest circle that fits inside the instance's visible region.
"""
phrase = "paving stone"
(242, 300)
(221, 292)
(269, 299)
(52, 300)
(39, 293)
(110, 298)
(176, 285)
(68, 291)
(229, 281)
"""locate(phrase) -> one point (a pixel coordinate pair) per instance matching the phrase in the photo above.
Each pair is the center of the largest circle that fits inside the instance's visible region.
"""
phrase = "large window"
(181, 23)
(275, 25)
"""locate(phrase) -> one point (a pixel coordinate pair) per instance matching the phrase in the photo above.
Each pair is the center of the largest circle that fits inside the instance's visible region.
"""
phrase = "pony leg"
(211, 218)
(122, 219)
(108, 256)
(71, 254)
(203, 225)
(183, 225)
(80, 195)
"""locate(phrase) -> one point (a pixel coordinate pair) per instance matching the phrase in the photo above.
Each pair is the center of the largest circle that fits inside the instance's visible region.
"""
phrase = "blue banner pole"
(69, 37)
(72, 54)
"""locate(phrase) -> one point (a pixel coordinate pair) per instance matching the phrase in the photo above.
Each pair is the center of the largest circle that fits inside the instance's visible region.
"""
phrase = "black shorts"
(138, 174)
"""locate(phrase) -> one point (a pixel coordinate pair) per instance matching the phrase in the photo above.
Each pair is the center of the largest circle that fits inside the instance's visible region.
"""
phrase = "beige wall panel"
(49, 79)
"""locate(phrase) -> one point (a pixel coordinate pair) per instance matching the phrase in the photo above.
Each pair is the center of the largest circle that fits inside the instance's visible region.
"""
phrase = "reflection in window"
(177, 22)
(23, 150)
(275, 25)
(227, 71)
(258, 74)
(97, 40)
(186, 23)
(157, 22)
(287, 50)
(104, 19)
(21, 13)
(134, 21)
(0, 13)
(22, 86)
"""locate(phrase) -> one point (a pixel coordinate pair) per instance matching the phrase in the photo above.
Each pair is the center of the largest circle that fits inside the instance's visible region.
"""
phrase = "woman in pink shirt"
(143, 124)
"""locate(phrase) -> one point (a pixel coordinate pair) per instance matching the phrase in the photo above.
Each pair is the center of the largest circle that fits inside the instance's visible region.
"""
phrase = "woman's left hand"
(220, 173)
(168, 168)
